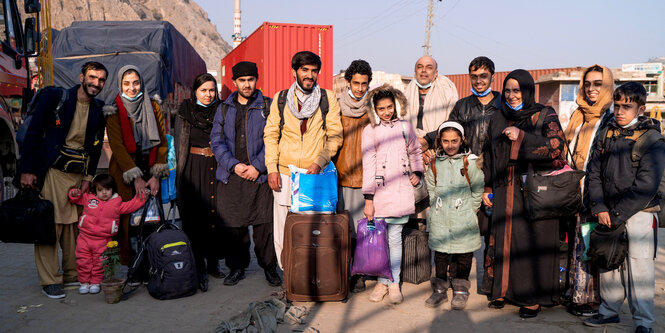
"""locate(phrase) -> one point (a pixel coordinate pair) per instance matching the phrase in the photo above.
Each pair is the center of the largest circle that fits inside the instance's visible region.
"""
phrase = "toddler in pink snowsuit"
(98, 223)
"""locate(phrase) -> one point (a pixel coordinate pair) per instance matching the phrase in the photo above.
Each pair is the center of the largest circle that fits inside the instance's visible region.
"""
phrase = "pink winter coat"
(385, 154)
(102, 218)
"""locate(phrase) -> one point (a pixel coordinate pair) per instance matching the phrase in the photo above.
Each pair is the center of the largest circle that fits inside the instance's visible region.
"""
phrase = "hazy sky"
(389, 34)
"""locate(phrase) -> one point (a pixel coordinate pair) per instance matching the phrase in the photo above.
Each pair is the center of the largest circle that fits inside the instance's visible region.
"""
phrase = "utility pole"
(237, 37)
(428, 28)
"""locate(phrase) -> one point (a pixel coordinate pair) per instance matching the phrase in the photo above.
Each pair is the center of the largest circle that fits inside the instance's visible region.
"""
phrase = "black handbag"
(608, 246)
(27, 218)
(552, 196)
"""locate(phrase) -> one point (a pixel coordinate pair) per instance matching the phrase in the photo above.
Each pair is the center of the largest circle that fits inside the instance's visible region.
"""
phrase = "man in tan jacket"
(299, 135)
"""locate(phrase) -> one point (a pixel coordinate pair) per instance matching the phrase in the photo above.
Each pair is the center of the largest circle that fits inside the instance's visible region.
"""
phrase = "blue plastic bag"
(314, 194)
(372, 257)
(167, 185)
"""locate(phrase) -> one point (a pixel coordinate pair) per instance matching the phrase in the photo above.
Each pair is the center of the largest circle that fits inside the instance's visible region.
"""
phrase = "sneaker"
(53, 291)
(395, 294)
(380, 290)
(84, 288)
(94, 288)
(600, 320)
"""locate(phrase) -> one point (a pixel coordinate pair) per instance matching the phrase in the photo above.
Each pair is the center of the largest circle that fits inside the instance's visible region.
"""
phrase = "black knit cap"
(245, 68)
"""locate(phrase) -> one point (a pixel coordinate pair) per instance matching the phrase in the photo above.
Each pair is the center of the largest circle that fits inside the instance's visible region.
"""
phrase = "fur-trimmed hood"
(400, 105)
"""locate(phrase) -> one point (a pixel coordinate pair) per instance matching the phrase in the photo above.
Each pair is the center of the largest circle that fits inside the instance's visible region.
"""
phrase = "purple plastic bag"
(371, 256)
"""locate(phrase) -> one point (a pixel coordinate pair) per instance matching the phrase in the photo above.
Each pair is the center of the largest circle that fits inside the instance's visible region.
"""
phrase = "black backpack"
(640, 147)
(608, 246)
(172, 267)
(30, 110)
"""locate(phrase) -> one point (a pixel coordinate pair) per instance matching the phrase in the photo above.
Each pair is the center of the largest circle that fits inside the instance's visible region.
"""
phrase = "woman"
(135, 129)
(594, 98)
(523, 254)
(195, 176)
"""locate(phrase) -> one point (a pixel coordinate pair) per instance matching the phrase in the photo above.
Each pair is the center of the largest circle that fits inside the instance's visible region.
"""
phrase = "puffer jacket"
(102, 218)
(301, 149)
(452, 217)
(385, 155)
(474, 117)
(615, 186)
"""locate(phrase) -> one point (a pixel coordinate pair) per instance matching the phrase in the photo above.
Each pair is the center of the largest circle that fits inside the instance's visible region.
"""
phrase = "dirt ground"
(204, 311)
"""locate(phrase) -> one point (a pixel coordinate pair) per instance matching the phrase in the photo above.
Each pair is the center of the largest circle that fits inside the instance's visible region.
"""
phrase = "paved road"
(203, 311)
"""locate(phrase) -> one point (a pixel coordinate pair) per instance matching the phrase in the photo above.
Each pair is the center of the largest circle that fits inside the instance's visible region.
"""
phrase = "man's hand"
(139, 185)
(153, 184)
(85, 185)
(604, 219)
(251, 173)
(313, 169)
(423, 144)
(28, 180)
(486, 199)
(274, 181)
(240, 169)
(369, 209)
(415, 180)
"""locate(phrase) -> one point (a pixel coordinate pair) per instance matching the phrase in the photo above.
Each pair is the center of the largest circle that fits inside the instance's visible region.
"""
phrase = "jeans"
(394, 247)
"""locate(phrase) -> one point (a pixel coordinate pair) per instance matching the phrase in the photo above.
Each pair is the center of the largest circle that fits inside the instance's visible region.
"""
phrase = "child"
(392, 166)
(455, 185)
(624, 191)
(98, 223)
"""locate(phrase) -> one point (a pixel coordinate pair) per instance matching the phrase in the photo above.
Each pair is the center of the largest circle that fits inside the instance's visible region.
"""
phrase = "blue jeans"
(394, 247)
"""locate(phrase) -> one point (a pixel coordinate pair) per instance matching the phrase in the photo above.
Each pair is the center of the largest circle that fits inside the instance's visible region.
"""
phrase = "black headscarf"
(500, 144)
(198, 115)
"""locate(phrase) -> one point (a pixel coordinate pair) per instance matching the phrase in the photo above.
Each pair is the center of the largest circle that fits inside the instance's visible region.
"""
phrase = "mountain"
(186, 15)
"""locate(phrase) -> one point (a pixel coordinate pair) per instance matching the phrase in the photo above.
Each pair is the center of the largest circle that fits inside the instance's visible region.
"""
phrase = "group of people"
(470, 154)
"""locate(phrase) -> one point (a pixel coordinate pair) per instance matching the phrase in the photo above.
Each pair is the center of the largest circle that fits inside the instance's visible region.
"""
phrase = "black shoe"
(642, 329)
(234, 277)
(600, 320)
(272, 277)
(496, 304)
(582, 310)
(529, 313)
(216, 271)
(53, 291)
(357, 284)
(203, 285)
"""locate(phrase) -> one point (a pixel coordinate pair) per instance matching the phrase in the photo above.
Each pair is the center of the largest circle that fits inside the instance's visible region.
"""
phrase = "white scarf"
(309, 105)
(439, 102)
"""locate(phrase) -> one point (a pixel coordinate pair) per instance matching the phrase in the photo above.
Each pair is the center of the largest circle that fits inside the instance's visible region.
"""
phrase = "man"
(79, 130)
(474, 113)
(353, 105)
(304, 140)
(237, 142)
(430, 97)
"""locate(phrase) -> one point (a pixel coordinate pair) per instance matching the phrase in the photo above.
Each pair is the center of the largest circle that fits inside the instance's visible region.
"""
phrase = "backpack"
(266, 110)
(172, 266)
(281, 102)
(30, 111)
(639, 149)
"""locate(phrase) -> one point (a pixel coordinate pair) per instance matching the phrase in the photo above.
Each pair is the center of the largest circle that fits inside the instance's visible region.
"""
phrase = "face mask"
(354, 96)
(303, 90)
(631, 123)
(132, 99)
(589, 101)
(204, 105)
(483, 94)
(425, 86)
(517, 108)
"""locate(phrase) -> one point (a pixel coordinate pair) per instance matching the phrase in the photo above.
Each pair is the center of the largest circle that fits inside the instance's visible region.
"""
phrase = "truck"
(19, 43)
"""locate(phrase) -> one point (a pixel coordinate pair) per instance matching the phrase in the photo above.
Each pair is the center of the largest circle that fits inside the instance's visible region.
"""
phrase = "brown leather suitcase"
(316, 257)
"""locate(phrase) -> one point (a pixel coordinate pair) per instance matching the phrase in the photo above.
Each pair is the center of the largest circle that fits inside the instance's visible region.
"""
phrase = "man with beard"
(244, 197)
(299, 135)
(348, 161)
(46, 164)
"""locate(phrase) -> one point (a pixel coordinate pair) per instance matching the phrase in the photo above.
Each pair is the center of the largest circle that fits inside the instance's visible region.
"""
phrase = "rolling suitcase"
(316, 257)
(416, 266)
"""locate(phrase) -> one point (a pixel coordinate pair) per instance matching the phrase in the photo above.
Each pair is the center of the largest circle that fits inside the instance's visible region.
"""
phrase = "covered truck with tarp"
(167, 61)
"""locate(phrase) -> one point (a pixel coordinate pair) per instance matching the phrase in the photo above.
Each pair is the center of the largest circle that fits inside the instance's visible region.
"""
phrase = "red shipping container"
(271, 47)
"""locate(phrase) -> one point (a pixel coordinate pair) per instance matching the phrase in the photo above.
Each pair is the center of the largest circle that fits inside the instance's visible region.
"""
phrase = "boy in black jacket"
(624, 191)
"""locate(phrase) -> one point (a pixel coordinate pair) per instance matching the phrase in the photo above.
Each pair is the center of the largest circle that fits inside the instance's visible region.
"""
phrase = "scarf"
(507, 116)
(351, 107)
(198, 115)
(439, 102)
(139, 110)
(584, 121)
(310, 102)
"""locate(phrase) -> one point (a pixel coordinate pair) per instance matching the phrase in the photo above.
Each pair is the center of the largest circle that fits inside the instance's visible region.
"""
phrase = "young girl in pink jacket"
(392, 166)
(98, 223)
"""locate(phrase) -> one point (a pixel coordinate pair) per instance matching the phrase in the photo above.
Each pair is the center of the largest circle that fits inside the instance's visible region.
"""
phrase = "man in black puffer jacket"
(622, 190)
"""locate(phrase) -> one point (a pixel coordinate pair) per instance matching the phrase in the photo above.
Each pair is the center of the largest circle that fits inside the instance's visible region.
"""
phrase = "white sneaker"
(84, 288)
(94, 288)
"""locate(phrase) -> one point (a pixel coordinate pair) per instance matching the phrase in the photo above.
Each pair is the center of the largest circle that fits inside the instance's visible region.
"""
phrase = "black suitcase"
(416, 266)
(27, 218)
